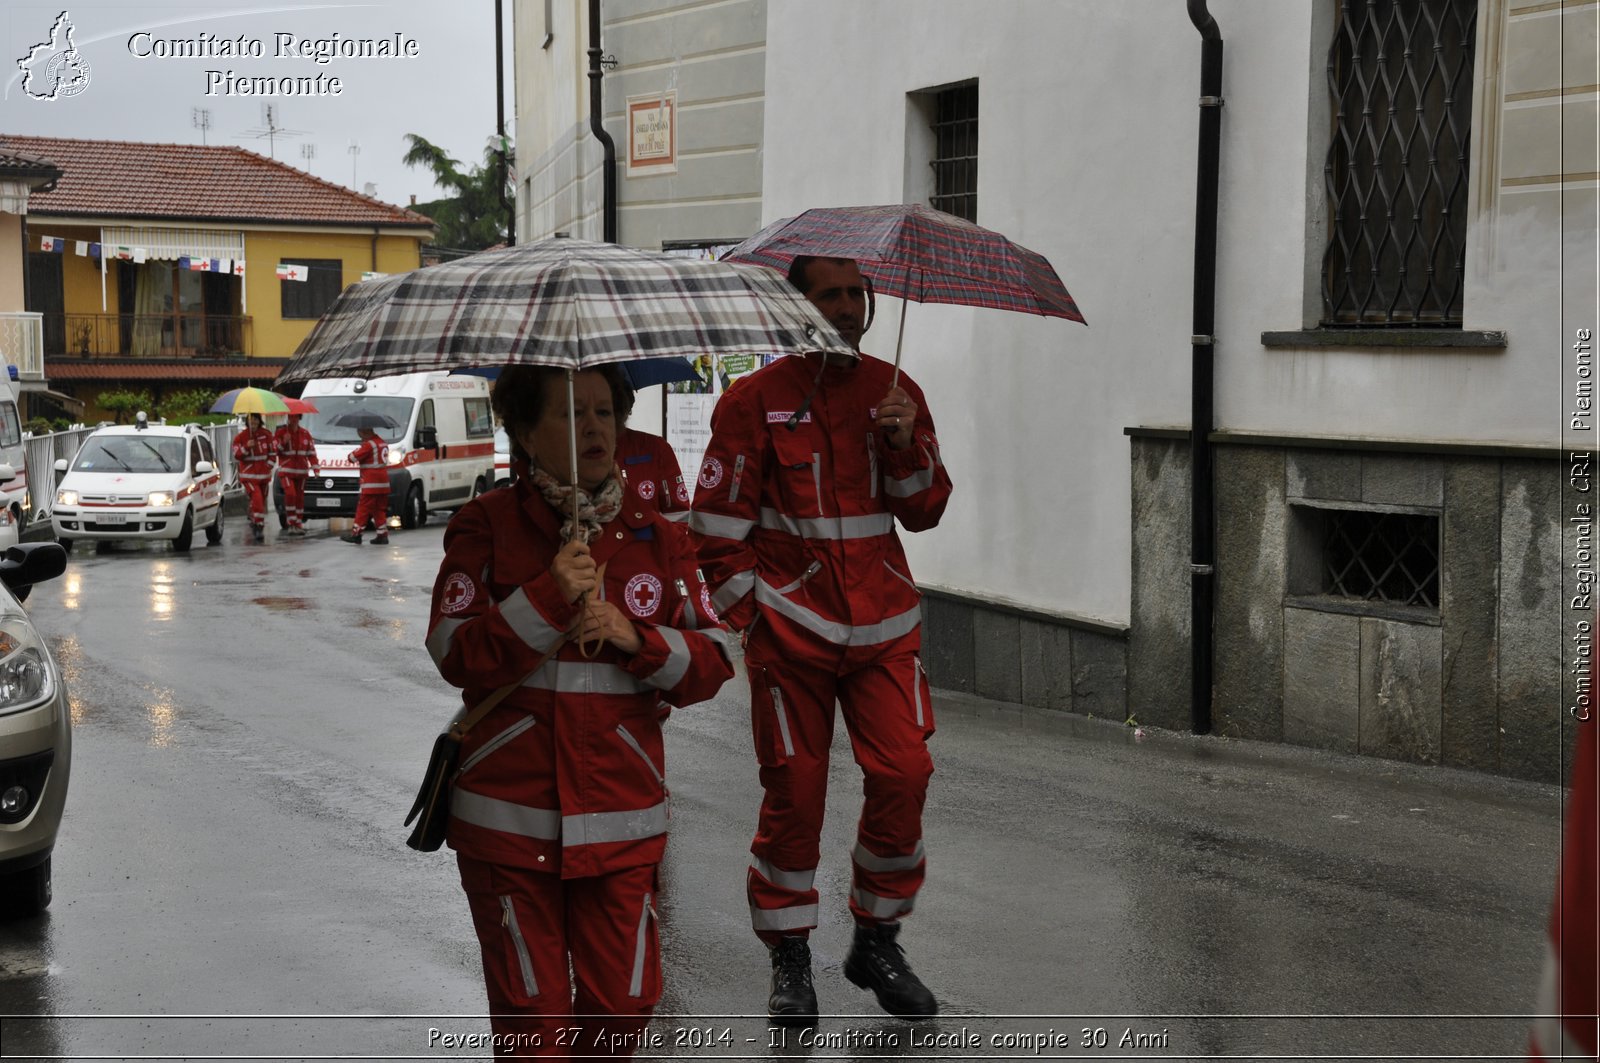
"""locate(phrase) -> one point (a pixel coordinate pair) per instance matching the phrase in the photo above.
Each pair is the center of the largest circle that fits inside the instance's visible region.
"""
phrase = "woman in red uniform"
(253, 449)
(559, 812)
(372, 458)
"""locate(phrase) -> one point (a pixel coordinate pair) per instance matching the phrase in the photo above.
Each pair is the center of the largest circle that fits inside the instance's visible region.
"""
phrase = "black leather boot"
(793, 1001)
(877, 962)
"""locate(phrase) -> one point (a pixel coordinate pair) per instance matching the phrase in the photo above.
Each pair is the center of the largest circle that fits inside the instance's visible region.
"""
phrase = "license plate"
(329, 503)
(111, 518)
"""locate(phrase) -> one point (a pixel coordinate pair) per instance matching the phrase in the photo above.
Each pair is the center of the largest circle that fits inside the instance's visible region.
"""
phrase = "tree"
(123, 403)
(472, 217)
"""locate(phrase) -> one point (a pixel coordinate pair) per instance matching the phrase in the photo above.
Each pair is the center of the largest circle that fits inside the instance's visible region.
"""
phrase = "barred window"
(1400, 80)
(1366, 555)
(311, 297)
(955, 151)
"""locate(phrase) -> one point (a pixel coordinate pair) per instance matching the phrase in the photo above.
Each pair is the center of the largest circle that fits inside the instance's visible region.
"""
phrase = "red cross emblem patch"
(681, 491)
(647, 489)
(643, 594)
(710, 473)
(457, 594)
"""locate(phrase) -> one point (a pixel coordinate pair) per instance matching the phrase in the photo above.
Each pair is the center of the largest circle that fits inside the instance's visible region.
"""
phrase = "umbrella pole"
(572, 450)
(898, 340)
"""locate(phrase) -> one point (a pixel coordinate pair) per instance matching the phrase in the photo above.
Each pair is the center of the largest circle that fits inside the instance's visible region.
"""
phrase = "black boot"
(793, 1001)
(877, 962)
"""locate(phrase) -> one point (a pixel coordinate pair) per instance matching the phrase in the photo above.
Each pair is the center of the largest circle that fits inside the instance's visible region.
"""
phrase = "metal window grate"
(1382, 557)
(955, 152)
(1400, 77)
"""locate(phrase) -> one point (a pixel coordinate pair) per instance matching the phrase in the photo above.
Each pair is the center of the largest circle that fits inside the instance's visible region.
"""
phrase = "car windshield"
(130, 453)
(331, 407)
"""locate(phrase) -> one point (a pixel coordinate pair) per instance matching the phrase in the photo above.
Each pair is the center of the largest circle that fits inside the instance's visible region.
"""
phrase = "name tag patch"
(782, 417)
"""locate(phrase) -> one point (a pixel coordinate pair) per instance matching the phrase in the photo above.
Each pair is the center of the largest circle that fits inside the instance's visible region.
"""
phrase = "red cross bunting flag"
(290, 271)
(52, 243)
(238, 267)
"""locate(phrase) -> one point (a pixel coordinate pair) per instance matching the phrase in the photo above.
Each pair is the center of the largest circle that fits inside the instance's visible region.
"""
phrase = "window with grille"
(311, 297)
(1367, 556)
(1400, 80)
(955, 151)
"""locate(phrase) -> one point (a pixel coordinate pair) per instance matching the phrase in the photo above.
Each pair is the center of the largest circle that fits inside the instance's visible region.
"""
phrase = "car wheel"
(415, 512)
(65, 543)
(214, 533)
(479, 487)
(21, 593)
(27, 892)
(185, 537)
(20, 519)
(504, 481)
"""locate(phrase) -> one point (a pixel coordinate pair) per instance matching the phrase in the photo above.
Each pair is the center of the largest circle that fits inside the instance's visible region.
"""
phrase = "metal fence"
(43, 452)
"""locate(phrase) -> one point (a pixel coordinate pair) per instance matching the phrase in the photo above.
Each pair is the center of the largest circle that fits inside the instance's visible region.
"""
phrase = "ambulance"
(441, 450)
(14, 497)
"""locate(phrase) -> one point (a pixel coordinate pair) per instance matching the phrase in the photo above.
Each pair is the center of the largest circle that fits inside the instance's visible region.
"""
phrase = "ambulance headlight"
(66, 498)
(396, 457)
(161, 498)
(25, 676)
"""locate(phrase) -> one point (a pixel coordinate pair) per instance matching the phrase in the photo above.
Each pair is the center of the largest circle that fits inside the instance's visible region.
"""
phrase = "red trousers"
(889, 716)
(530, 925)
(255, 491)
(294, 499)
(373, 508)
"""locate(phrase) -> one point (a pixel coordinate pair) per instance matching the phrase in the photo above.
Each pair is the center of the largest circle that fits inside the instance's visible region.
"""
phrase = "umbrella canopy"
(366, 419)
(914, 252)
(642, 373)
(301, 406)
(250, 400)
(561, 302)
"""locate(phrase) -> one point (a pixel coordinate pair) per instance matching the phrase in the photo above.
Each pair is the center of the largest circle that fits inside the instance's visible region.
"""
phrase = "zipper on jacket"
(508, 919)
(738, 470)
(815, 567)
(901, 577)
(496, 742)
(783, 722)
(633, 743)
(872, 468)
(641, 946)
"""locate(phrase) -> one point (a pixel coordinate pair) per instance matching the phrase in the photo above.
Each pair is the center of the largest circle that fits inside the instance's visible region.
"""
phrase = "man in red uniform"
(372, 458)
(253, 449)
(651, 466)
(811, 463)
(297, 456)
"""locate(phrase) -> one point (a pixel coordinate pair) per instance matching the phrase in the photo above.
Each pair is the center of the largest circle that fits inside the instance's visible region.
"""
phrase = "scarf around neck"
(592, 512)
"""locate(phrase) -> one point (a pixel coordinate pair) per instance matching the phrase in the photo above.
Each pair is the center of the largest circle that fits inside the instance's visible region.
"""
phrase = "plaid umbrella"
(914, 252)
(560, 302)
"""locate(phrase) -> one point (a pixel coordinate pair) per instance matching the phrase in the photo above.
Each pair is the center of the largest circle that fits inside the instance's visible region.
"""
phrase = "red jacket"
(651, 468)
(297, 451)
(798, 525)
(372, 458)
(253, 451)
(567, 774)
(1571, 984)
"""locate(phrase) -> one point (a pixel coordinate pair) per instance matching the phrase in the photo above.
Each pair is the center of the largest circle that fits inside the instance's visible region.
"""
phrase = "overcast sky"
(444, 93)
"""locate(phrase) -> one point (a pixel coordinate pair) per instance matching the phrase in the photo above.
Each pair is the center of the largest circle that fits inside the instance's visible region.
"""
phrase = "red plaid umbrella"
(914, 252)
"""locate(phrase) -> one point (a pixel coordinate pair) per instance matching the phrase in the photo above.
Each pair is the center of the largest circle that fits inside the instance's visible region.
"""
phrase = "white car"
(140, 481)
(35, 736)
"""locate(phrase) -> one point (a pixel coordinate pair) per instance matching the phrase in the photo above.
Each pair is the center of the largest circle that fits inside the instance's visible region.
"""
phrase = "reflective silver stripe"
(881, 907)
(916, 687)
(871, 861)
(907, 486)
(440, 639)
(677, 516)
(799, 881)
(584, 677)
(526, 620)
(633, 743)
(636, 983)
(733, 589)
(816, 477)
(597, 828)
(496, 742)
(722, 527)
(724, 640)
(738, 471)
(676, 666)
(494, 814)
(833, 631)
(864, 527)
(811, 570)
(783, 721)
(799, 917)
(530, 986)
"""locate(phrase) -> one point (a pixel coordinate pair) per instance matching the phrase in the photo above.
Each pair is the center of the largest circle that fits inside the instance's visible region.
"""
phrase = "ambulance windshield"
(331, 407)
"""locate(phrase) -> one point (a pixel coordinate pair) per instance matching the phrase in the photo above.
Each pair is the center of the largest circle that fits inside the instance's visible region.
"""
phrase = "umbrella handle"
(583, 604)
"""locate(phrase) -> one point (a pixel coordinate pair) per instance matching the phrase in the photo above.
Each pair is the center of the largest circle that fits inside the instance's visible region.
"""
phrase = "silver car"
(35, 736)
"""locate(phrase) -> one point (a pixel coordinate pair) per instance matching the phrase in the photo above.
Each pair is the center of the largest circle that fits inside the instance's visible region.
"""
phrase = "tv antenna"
(200, 118)
(270, 117)
(307, 153)
(355, 151)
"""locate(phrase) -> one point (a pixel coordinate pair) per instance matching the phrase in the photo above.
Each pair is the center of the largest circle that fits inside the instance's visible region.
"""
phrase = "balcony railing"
(172, 336)
(22, 343)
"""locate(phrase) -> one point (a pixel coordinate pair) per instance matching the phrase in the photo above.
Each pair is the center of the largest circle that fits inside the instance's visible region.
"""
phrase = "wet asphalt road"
(252, 721)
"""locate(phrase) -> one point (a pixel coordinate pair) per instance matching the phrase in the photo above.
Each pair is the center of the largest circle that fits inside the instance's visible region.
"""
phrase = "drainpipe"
(500, 122)
(608, 168)
(1202, 515)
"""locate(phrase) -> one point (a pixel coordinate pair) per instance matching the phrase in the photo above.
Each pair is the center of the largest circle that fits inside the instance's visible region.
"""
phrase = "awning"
(67, 401)
(177, 243)
(13, 197)
(262, 370)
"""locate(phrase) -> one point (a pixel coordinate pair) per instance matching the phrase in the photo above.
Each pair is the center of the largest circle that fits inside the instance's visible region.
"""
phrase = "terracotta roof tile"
(127, 179)
(60, 371)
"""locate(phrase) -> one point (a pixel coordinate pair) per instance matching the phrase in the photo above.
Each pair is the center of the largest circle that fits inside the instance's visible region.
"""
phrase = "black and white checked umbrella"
(559, 302)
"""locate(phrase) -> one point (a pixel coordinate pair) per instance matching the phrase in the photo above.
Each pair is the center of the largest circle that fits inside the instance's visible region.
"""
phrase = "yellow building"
(170, 267)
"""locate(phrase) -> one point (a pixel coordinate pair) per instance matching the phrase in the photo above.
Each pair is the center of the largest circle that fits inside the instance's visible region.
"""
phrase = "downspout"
(1202, 512)
(500, 121)
(597, 125)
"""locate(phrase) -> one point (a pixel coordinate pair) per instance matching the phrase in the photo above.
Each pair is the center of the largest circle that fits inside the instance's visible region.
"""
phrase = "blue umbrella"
(641, 372)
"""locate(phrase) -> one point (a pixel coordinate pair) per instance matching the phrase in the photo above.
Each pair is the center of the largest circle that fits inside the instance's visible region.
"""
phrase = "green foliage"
(186, 406)
(471, 217)
(124, 404)
(38, 426)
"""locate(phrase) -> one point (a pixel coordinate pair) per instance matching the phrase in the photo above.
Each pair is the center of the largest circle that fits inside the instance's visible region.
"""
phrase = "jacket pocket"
(521, 961)
(769, 721)
(921, 696)
(799, 472)
(645, 948)
(495, 743)
(903, 578)
(638, 747)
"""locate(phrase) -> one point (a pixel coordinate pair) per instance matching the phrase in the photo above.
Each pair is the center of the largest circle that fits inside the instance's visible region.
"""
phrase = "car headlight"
(161, 498)
(26, 677)
(396, 457)
(66, 498)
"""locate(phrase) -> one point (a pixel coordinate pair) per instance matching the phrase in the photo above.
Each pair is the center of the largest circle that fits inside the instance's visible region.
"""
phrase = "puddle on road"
(283, 604)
